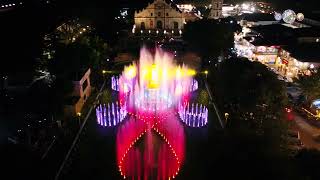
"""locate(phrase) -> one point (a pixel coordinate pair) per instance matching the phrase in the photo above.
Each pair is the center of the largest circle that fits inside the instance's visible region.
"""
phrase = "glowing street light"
(226, 115)
(79, 117)
(206, 72)
(103, 73)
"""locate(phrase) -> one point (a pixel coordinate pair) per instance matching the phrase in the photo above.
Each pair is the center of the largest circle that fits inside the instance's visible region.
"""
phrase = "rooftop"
(305, 52)
(259, 41)
(148, 2)
(255, 17)
(307, 32)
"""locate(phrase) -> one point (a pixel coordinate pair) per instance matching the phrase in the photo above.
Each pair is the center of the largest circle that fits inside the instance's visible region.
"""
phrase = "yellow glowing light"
(153, 75)
(206, 72)
(131, 72)
(178, 72)
(191, 72)
(154, 82)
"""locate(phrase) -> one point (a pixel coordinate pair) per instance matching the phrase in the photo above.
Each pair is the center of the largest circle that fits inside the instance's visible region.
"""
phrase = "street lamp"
(206, 72)
(226, 115)
(79, 116)
(103, 73)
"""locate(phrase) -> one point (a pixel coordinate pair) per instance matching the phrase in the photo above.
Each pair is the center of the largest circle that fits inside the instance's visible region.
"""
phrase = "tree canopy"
(310, 85)
(254, 99)
(243, 85)
(209, 37)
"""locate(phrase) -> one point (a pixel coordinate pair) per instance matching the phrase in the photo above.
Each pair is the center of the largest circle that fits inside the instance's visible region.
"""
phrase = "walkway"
(79, 133)
(307, 133)
(214, 105)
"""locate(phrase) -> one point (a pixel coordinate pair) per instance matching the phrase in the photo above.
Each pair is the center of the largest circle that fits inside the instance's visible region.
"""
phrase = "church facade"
(159, 15)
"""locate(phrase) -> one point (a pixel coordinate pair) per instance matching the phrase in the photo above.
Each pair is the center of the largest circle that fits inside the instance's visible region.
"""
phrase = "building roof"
(272, 28)
(305, 52)
(169, 2)
(260, 41)
(276, 33)
(255, 17)
(312, 15)
(307, 32)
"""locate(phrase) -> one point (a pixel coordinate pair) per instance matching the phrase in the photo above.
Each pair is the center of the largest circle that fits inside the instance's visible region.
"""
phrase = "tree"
(310, 85)
(209, 37)
(244, 85)
(254, 143)
(70, 61)
(99, 50)
(254, 99)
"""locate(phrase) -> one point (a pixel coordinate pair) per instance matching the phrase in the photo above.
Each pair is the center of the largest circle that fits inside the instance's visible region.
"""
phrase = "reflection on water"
(150, 148)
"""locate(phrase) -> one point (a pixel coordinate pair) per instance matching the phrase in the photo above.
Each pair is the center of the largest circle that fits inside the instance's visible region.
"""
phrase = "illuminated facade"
(291, 67)
(159, 15)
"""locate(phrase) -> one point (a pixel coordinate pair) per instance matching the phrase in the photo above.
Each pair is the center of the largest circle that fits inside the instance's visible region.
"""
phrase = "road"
(307, 133)
(214, 105)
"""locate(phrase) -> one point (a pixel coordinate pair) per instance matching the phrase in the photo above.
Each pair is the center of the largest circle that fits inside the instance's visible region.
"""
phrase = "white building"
(161, 14)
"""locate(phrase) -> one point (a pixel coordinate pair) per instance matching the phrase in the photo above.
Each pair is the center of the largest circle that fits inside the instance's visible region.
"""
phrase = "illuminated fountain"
(156, 83)
(194, 115)
(150, 93)
(115, 83)
(110, 114)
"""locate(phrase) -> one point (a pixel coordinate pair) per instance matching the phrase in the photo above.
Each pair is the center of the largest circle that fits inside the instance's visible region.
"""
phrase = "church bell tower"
(216, 9)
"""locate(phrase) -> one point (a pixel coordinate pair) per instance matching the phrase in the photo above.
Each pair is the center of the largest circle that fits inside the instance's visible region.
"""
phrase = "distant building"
(216, 9)
(81, 92)
(230, 10)
(299, 58)
(159, 15)
(257, 19)
(290, 51)
(189, 12)
(190, 16)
